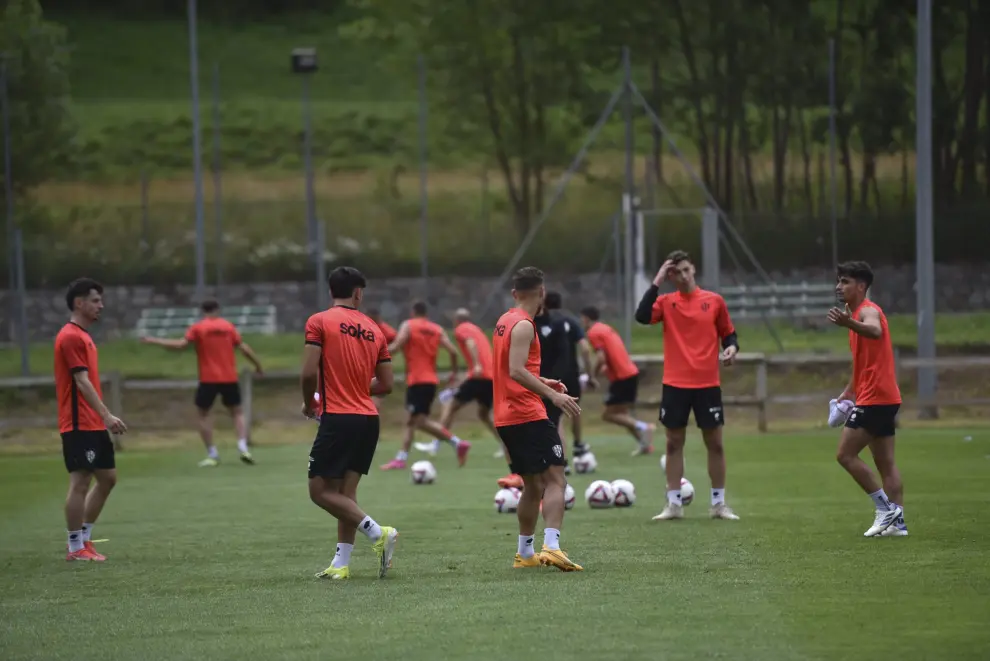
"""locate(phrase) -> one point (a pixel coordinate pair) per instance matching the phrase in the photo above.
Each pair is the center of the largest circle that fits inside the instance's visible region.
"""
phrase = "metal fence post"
(761, 394)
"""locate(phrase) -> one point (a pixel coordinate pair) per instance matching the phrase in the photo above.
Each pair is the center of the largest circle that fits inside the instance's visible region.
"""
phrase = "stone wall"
(958, 289)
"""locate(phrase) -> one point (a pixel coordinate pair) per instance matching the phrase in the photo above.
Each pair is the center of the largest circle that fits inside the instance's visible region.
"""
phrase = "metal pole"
(315, 250)
(833, 184)
(617, 247)
(424, 226)
(145, 221)
(628, 202)
(710, 260)
(925, 258)
(197, 152)
(22, 331)
(8, 181)
(217, 183)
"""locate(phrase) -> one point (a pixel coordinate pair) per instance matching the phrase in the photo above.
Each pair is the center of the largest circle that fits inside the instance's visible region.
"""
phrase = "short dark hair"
(858, 271)
(210, 305)
(419, 307)
(591, 312)
(679, 256)
(553, 300)
(527, 278)
(80, 287)
(343, 280)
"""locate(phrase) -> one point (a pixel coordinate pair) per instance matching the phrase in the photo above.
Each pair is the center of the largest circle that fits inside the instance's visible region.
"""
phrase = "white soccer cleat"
(430, 448)
(894, 531)
(883, 520)
(724, 512)
(499, 455)
(670, 512)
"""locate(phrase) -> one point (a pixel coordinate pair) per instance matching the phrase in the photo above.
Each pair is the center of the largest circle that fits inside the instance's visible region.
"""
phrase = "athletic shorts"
(878, 420)
(476, 390)
(573, 384)
(206, 394)
(676, 405)
(88, 451)
(622, 392)
(419, 398)
(344, 442)
(533, 446)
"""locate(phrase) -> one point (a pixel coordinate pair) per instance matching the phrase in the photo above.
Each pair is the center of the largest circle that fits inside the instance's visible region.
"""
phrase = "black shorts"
(878, 420)
(573, 389)
(622, 392)
(533, 447)
(88, 451)
(206, 393)
(476, 390)
(676, 405)
(344, 442)
(419, 398)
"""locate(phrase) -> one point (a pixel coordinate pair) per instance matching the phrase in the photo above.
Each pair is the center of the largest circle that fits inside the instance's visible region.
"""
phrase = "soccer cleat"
(883, 520)
(335, 573)
(92, 549)
(209, 462)
(462, 452)
(384, 548)
(670, 511)
(645, 439)
(430, 448)
(510, 481)
(723, 511)
(558, 558)
(894, 531)
(498, 455)
(247, 458)
(395, 464)
(524, 563)
(84, 555)
(642, 450)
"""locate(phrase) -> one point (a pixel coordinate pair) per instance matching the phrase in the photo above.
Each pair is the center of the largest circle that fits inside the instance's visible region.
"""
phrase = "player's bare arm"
(114, 424)
(519, 342)
(401, 338)
(584, 347)
(309, 377)
(600, 362)
(452, 352)
(867, 325)
(251, 355)
(174, 345)
(384, 379)
(472, 349)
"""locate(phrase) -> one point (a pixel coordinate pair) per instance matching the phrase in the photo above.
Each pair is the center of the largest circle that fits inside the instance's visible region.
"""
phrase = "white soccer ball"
(569, 497)
(663, 462)
(507, 500)
(625, 493)
(586, 463)
(423, 472)
(687, 491)
(600, 494)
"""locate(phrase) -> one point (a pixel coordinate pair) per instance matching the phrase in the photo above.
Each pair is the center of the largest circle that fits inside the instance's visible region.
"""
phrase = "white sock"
(370, 528)
(75, 541)
(674, 497)
(242, 445)
(212, 453)
(87, 532)
(455, 441)
(402, 455)
(343, 555)
(525, 548)
(881, 501)
(551, 539)
(641, 426)
(718, 497)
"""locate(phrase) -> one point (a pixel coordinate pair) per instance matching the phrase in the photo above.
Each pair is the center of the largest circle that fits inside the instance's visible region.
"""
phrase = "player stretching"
(531, 440)
(389, 333)
(84, 420)
(694, 320)
(215, 339)
(477, 384)
(349, 362)
(420, 339)
(612, 358)
(874, 388)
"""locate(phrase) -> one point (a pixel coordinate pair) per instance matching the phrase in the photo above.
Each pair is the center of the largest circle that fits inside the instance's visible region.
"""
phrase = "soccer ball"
(507, 500)
(687, 491)
(600, 494)
(625, 493)
(663, 462)
(423, 472)
(569, 497)
(586, 463)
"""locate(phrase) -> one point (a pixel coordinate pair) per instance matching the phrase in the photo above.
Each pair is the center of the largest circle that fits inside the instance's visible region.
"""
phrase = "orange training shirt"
(874, 376)
(514, 404)
(619, 366)
(76, 352)
(389, 332)
(693, 325)
(421, 351)
(215, 339)
(465, 331)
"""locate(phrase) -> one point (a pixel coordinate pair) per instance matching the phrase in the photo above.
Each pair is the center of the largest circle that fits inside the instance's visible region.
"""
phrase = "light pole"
(304, 63)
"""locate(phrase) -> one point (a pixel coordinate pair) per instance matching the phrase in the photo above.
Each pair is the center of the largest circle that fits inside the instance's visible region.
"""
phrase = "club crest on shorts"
(90, 456)
(558, 450)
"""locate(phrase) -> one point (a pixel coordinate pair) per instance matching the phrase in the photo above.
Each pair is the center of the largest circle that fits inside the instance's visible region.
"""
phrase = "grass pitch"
(218, 563)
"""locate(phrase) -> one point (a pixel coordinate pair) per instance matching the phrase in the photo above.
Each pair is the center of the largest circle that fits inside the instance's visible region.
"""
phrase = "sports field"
(219, 563)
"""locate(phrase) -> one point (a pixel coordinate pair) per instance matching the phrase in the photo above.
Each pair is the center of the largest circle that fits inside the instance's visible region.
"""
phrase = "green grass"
(219, 564)
(283, 352)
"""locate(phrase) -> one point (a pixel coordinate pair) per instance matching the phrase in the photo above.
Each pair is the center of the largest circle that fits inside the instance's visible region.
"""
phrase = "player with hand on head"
(347, 359)
(694, 322)
(531, 440)
(84, 421)
(612, 360)
(215, 340)
(420, 340)
(873, 387)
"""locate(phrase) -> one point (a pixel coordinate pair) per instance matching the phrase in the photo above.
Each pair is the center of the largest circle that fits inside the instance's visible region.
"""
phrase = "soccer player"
(84, 421)
(389, 334)
(532, 442)
(694, 321)
(420, 340)
(347, 359)
(215, 339)
(561, 338)
(612, 359)
(873, 387)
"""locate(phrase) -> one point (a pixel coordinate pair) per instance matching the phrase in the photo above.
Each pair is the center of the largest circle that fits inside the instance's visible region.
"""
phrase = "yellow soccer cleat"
(209, 462)
(557, 558)
(335, 573)
(384, 548)
(524, 563)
